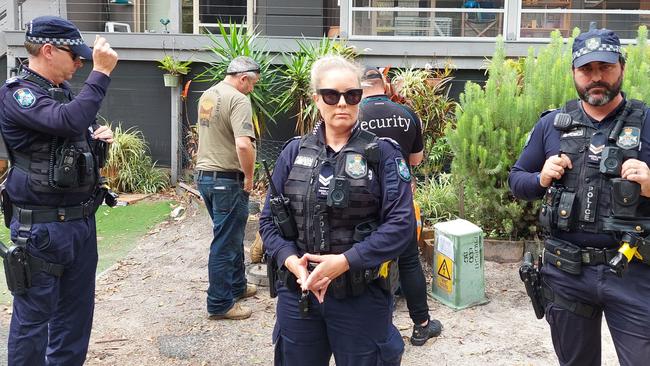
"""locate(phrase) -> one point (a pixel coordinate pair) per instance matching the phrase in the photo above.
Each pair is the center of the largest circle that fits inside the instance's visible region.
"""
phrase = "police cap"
(596, 45)
(59, 32)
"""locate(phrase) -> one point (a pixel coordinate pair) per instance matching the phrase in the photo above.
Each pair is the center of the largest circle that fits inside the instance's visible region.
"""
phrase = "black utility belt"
(39, 215)
(570, 258)
(349, 284)
(239, 176)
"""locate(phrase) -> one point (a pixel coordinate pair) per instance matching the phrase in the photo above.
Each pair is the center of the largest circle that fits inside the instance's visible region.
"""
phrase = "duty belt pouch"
(338, 287)
(564, 210)
(625, 197)
(563, 255)
(357, 283)
(7, 207)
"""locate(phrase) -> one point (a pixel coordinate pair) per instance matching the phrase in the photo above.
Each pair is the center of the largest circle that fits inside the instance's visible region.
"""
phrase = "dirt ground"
(150, 310)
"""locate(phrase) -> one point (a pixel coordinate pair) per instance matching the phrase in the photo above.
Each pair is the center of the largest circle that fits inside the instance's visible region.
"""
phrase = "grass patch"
(118, 231)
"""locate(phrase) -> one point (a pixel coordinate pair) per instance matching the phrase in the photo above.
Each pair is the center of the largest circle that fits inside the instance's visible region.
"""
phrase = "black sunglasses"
(333, 96)
(74, 56)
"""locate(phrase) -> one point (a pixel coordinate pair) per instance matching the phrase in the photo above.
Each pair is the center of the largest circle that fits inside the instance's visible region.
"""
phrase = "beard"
(600, 99)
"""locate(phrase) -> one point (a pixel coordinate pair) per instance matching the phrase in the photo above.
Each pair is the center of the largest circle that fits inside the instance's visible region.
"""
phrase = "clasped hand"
(328, 267)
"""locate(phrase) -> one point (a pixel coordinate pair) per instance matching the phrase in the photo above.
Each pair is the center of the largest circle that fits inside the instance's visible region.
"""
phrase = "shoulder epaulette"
(547, 112)
(391, 141)
(289, 141)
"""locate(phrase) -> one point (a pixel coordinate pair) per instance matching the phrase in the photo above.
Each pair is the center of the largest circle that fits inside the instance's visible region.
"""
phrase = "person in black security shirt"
(46, 128)
(331, 300)
(379, 115)
(562, 157)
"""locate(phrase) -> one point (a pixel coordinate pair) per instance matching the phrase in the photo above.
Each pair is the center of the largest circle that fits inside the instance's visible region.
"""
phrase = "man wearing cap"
(379, 115)
(225, 164)
(589, 160)
(55, 149)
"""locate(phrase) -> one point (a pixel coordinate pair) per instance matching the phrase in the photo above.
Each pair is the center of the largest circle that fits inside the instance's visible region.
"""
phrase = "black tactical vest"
(41, 159)
(321, 227)
(584, 200)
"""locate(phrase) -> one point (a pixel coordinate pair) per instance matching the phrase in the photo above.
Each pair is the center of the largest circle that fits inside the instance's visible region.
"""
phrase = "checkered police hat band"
(603, 47)
(57, 41)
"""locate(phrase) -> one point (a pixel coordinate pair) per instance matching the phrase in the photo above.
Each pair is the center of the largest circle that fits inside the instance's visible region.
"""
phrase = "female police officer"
(350, 196)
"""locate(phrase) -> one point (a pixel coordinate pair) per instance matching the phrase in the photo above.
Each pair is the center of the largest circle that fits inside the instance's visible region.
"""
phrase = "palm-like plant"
(234, 41)
(296, 74)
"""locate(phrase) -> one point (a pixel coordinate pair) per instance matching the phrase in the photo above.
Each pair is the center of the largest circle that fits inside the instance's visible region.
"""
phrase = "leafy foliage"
(438, 199)
(129, 167)
(173, 66)
(234, 41)
(427, 91)
(297, 94)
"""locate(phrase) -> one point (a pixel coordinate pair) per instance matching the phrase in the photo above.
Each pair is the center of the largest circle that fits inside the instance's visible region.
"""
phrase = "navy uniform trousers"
(357, 330)
(51, 323)
(624, 301)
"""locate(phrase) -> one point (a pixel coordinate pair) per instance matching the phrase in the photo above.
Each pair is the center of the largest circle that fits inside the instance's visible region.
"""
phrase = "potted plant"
(174, 69)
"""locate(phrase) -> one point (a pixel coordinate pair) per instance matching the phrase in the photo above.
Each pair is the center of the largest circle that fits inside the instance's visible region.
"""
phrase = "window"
(427, 18)
(540, 17)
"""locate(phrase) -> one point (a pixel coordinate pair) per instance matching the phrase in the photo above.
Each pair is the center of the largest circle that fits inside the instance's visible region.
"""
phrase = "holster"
(17, 269)
(388, 277)
(7, 210)
(563, 255)
(272, 275)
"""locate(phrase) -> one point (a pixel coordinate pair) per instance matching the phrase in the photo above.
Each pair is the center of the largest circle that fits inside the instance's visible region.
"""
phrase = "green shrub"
(438, 199)
(129, 167)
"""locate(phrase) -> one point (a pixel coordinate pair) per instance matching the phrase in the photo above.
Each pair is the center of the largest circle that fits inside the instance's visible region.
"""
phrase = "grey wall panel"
(87, 15)
(137, 98)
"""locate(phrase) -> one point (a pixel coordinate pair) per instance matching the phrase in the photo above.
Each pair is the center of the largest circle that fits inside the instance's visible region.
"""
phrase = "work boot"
(251, 290)
(236, 312)
(421, 334)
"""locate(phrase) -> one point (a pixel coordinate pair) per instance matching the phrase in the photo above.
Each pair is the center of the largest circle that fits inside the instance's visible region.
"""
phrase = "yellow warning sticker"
(444, 272)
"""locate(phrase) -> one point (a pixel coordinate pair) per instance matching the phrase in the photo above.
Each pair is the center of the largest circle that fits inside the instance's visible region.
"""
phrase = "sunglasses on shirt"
(333, 96)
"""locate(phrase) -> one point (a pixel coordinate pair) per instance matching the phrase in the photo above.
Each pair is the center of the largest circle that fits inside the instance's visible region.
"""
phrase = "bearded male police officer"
(53, 145)
(385, 118)
(579, 214)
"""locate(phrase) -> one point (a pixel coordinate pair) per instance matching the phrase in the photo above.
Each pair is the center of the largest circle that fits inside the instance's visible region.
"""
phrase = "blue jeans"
(227, 204)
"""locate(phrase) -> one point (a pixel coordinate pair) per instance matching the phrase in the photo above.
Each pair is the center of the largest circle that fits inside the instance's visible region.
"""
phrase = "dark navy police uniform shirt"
(29, 111)
(543, 143)
(385, 118)
(396, 215)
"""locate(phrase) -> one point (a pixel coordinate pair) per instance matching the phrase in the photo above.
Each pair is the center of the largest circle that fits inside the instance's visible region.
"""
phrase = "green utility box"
(458, 267)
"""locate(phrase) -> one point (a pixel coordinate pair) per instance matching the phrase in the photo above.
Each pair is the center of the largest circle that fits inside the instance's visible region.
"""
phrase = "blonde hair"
(332, 62)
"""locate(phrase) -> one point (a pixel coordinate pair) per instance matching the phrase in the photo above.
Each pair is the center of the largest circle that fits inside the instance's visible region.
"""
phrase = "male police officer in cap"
(55, 149)
(585, 213)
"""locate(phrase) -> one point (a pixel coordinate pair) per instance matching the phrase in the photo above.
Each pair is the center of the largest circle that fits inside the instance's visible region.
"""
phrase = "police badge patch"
(24, 97)
(355, 166)
(592, 43)
(403, 169)
(629, 138)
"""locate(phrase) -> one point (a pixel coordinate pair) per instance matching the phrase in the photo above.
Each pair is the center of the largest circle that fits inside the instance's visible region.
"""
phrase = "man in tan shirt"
(225, 164)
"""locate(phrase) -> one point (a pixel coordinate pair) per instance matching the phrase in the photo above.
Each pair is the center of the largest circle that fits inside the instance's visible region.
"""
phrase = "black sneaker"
(421, 334)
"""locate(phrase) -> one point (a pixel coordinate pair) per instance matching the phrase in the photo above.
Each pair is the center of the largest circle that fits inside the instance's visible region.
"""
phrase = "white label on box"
(446, 246)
